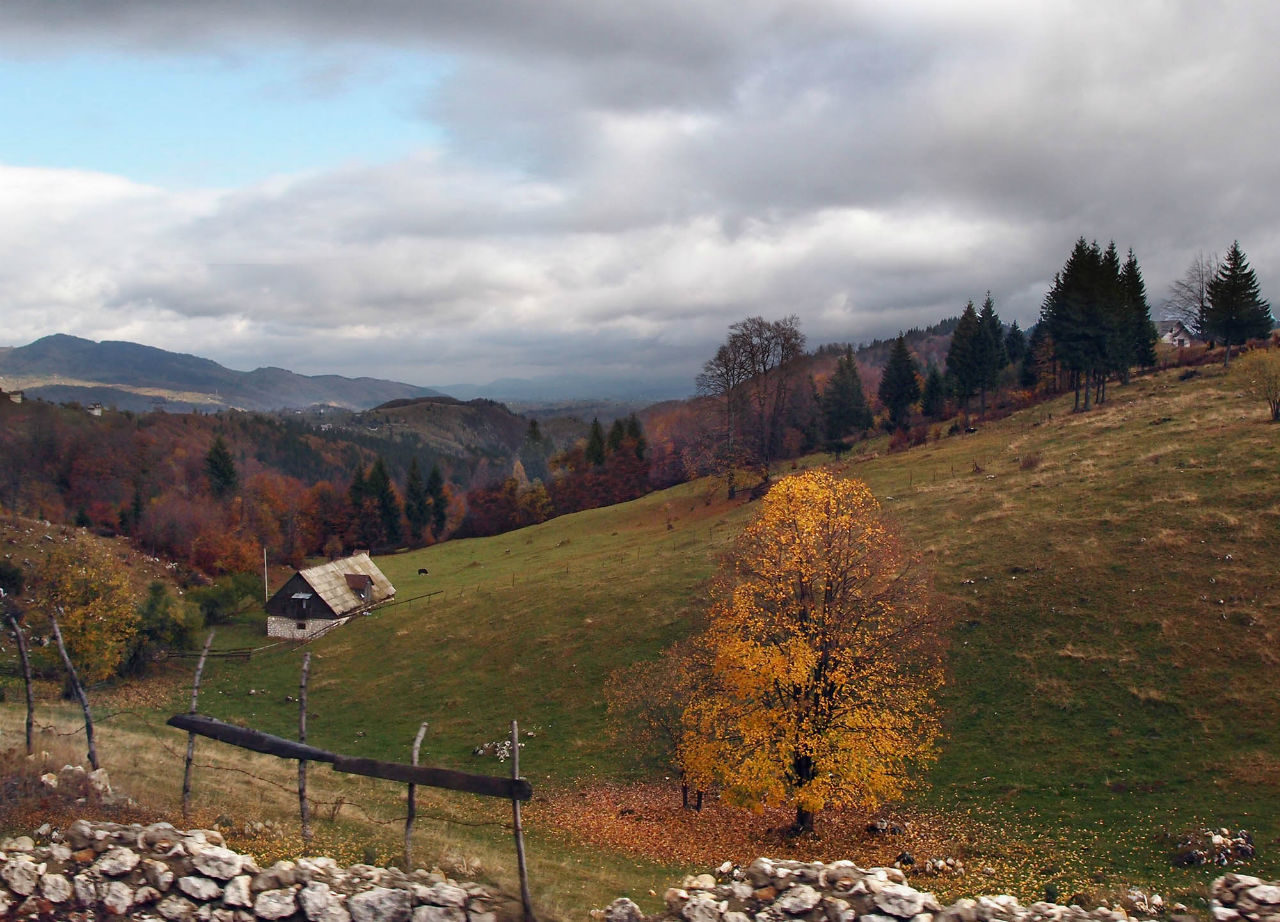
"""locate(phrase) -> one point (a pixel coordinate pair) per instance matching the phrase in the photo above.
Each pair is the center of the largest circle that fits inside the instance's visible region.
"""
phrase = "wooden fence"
(515, 788)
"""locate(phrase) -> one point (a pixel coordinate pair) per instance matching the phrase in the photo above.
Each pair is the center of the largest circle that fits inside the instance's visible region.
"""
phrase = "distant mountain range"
(129, 376)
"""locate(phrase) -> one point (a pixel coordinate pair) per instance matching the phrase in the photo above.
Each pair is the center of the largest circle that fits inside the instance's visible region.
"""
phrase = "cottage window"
(300, 625)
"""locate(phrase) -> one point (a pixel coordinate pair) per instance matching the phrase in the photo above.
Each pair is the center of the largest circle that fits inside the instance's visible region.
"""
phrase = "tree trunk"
(803, 771)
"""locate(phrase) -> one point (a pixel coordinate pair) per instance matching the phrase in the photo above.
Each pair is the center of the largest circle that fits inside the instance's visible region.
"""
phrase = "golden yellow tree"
(85, 586)
(825, 657)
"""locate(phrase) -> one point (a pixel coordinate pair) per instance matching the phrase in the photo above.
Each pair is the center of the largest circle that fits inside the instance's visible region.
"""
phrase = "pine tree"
(962, 358)
(1015, 344)
(439, 502)
(1074, 318)
(617, 434)
(1139, 331)
(636, 434)
(358, 491)
(417, 505)
(220, 469)
(594, 452)
(988, 351)
(933, 401)
(1032, 366)
(1118, 348)
(1236, 312)
(844, 405)
(387, 504)
(899, 387)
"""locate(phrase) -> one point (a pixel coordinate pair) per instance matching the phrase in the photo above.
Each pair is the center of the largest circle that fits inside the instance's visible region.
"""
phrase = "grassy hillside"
(1113, 582)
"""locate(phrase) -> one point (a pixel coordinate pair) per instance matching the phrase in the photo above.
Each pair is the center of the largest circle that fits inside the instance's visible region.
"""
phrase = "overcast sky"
(444, 191)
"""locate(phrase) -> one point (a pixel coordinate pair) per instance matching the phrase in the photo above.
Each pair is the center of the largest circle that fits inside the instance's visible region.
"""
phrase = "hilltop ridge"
(130, 376)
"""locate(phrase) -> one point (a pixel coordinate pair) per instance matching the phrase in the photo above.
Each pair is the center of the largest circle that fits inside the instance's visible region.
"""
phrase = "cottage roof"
(338, 583)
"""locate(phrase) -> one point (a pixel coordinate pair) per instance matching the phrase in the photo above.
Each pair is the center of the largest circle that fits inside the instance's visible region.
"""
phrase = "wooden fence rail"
(256, 740)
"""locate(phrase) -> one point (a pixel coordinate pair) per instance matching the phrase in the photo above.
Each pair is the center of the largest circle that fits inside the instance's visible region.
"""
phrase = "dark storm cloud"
(619, 182)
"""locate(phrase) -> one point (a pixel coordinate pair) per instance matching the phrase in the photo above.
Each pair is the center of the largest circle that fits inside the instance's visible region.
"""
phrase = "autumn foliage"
(824, 657)
(84, 586)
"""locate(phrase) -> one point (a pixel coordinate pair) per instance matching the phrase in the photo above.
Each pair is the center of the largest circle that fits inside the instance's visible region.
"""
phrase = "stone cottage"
(318, 599)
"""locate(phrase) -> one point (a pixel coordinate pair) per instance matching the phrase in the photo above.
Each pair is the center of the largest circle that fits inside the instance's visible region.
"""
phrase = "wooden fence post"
(78, 689)
(191, 737)
(26, 678)
(303, 809)
(413, 801)
(525, 898)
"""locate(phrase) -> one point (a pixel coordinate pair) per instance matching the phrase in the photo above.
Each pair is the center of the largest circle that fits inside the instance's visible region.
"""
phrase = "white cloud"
(618, 183)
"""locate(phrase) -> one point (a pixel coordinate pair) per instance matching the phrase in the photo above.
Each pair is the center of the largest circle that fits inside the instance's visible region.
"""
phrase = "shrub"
(1258, 374)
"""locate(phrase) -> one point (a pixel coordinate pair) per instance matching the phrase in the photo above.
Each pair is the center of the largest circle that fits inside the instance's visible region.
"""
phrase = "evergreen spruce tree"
(1236, 311)
(439, 502)
(417, 505)
(962, 356)
(617, 434)
(387, 504)
(1119, 353)
(1015, 344)
(358, 491)
(843, 403)
(988, 351)
(1073, 318)
(933, 401)
(635, 432)
(220, 469)
(899, 387)
(1139, 331)
(1037, 347)
(594, 453)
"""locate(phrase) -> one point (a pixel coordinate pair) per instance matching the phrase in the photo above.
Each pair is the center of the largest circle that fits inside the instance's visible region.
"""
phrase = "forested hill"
(130, 376)
(928, 344)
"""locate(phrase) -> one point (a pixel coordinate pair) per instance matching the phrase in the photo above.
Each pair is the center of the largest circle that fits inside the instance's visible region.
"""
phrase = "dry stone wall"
(98, 871)
(791, 891)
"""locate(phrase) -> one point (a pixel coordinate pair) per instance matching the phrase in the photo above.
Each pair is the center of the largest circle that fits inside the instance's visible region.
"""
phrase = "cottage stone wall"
(287, 628)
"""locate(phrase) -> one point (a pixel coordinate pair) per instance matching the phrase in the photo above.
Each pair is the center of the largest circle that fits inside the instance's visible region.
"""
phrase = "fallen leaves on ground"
(647, 820)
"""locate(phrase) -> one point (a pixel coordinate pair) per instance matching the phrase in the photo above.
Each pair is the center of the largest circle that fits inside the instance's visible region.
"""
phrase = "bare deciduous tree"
(1189, 296)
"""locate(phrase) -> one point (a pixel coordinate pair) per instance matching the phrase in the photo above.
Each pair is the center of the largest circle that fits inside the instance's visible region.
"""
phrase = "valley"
(1109, 580)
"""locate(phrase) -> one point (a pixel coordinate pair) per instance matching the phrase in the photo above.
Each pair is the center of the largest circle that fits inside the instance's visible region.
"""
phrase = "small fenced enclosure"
(514, 789)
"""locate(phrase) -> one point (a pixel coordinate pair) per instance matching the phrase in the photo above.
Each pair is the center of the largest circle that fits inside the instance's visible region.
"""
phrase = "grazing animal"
(422, 571)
